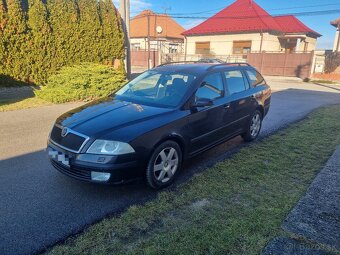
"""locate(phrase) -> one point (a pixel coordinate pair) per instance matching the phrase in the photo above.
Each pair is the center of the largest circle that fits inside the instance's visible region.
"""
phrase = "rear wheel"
(254, 127)
(164, 165)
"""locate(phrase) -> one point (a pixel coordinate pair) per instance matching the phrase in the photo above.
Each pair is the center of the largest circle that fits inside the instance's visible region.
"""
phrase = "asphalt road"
(39, 206)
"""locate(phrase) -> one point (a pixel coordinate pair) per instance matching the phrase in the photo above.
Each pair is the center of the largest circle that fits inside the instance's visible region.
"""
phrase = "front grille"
(73, 172)
(71, 141)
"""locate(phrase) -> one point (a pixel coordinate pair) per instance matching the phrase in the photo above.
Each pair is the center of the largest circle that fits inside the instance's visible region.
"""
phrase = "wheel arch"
(175, 138)
(261, 109)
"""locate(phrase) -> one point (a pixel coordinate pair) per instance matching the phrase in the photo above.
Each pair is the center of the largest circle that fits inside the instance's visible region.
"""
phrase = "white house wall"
(223, 44)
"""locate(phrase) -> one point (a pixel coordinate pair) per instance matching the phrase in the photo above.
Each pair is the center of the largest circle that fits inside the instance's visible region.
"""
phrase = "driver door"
(206, 122)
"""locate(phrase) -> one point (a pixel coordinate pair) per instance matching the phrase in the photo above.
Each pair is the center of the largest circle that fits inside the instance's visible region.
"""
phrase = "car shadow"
(12, 90)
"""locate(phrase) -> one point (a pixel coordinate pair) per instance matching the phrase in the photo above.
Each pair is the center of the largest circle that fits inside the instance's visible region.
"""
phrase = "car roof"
(199, 67)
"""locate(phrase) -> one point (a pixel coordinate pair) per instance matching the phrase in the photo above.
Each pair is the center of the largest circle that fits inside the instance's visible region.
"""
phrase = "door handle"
(226, 106)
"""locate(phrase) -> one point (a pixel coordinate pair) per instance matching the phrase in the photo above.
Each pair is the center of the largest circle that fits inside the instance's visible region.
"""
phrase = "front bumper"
(79, 166)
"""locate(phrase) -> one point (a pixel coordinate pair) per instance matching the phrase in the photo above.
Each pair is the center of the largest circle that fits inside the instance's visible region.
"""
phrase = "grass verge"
(235, 207)
(14, 104)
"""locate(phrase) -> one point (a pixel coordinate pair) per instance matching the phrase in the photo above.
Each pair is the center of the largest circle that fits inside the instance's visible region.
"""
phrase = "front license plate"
(59, 156)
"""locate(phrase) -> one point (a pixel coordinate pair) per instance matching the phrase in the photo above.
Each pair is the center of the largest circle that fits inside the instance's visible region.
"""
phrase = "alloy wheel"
(166, 164)
(255, 125)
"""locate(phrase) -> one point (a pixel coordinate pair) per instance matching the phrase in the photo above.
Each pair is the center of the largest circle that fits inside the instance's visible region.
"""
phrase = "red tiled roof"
(139, 26)
(290, 24)
(243, 16)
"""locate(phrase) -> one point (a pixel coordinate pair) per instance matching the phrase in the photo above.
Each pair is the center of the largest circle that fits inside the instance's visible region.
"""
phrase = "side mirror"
(202, 102)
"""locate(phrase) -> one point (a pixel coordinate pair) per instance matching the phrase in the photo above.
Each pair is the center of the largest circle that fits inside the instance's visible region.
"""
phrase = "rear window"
(255, 77)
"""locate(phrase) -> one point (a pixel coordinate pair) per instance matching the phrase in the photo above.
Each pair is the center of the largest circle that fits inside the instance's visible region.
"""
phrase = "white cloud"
(136, 6)
(190, 23)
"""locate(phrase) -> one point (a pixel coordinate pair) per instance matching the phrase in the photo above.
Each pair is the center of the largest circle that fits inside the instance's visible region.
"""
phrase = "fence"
(268, 63)
(282, 64)
(139, 58)
(176, 57)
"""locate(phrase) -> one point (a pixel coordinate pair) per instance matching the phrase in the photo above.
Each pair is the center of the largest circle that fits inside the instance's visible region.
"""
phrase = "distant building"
(165, 33)
(245, 27)
(336, 24)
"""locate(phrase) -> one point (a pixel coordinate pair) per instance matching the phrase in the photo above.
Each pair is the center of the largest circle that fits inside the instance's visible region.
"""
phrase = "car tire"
(164, 165)
(253, 127)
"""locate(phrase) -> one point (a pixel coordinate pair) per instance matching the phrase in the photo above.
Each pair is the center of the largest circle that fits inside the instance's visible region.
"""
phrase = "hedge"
(38, 39)
(86, 81)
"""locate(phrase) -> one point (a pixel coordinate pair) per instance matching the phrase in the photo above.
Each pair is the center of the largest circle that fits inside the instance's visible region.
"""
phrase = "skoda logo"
(64, 132)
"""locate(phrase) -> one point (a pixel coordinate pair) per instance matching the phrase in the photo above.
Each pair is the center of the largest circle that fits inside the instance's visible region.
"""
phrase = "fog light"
(100, 177)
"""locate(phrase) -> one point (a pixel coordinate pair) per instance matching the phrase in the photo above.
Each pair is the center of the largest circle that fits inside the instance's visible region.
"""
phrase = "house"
(165, 33)
(336, 24)
(245, 27)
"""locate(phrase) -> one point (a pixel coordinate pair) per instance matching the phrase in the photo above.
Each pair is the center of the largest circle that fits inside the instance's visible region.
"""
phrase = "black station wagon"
(156, 121)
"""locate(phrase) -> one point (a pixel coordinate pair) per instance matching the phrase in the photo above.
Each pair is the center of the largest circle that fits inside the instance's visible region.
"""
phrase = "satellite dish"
(159, 29)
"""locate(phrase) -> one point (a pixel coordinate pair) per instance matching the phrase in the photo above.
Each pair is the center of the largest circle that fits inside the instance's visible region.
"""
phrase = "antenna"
(166, 8)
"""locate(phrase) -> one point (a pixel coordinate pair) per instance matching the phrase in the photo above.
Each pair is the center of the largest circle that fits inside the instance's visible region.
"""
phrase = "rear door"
(241, 99)
(206, 122)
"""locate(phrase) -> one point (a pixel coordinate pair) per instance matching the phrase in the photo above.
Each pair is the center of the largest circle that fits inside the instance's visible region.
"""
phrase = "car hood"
(107, 114)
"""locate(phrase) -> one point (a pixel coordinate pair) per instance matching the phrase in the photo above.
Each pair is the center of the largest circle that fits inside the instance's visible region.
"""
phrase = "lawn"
(15, 104)
(235, 207)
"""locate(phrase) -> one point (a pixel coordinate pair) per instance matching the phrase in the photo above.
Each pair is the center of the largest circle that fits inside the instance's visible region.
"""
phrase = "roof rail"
(178, 62)
(210, 68)
(229, 64)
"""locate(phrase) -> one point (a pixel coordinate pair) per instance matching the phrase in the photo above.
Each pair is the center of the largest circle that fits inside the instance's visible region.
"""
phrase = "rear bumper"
(79, 166)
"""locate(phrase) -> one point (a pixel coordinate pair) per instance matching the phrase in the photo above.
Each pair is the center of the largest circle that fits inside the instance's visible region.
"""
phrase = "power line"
(274, 9)
(308, 13)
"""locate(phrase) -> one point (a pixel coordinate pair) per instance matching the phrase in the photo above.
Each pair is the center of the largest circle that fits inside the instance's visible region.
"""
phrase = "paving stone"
(289, 246)
(317, 215)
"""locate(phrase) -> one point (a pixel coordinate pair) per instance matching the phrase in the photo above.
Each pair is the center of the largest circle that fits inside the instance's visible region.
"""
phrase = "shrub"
(332, 61)
(38, 37)
(86, 81)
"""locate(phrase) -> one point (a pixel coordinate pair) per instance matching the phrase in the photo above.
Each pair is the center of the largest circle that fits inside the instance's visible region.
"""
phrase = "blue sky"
(210, 7)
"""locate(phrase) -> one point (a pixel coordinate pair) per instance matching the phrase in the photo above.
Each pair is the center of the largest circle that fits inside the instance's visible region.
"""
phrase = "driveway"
(40, 207)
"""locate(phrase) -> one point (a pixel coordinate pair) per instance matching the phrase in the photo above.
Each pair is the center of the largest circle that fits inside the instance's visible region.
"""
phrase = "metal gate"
(140, 58)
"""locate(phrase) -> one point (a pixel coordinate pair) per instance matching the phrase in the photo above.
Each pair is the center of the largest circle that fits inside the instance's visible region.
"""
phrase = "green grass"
(235, 207)
(15, 104)
(323, 81)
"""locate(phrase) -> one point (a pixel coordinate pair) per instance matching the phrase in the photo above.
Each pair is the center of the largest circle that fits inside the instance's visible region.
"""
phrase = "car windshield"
(157, 88)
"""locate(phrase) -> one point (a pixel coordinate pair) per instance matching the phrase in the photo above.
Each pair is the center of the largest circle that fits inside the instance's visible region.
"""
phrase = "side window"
(255, 77)
(235, 82)
(212, 87)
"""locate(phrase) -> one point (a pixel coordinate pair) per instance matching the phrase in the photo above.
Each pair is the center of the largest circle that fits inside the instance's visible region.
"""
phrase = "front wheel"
(254, 127)
(164, 165)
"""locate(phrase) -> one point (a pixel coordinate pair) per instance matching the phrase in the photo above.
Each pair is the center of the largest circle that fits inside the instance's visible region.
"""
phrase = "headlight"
(110, 148)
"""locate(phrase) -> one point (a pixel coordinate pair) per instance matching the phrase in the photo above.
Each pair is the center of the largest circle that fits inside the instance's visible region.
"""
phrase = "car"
(149, 127)
(211, 60)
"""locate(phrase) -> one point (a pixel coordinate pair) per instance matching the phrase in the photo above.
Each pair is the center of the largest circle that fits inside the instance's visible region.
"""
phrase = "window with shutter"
(202, 47)
(241, 47)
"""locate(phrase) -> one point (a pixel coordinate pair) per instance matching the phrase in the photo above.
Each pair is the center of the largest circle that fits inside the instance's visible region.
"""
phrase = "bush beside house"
(39, 39)
(86, 81)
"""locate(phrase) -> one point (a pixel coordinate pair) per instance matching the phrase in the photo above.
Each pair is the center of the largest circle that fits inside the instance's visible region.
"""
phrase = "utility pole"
(149, 52)
(124, 10)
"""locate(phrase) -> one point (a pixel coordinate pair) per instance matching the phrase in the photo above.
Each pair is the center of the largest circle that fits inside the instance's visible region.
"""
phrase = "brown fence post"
(262, 57)
(311, 64)
(285, 64)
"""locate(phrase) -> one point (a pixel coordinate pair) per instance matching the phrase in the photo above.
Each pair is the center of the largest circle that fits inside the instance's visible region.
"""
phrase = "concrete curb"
(317, 215)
